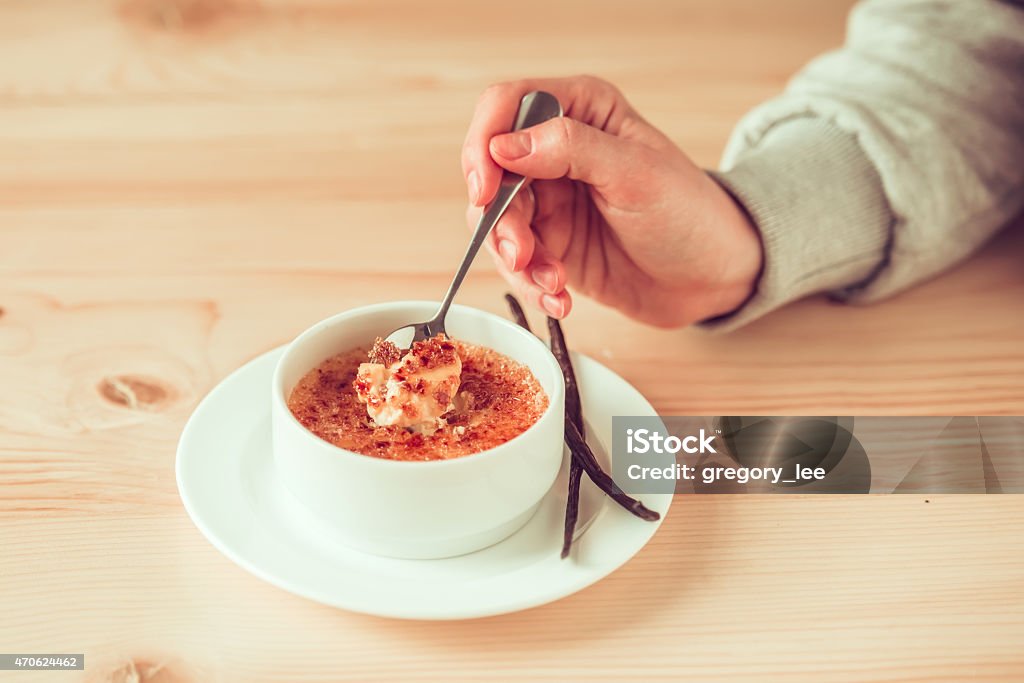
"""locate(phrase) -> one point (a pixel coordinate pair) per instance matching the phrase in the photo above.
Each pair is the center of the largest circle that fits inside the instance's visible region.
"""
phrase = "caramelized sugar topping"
(384, 353)
(498, 399)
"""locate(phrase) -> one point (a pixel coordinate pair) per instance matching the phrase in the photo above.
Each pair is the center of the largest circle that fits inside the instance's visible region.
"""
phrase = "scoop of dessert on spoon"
(535, 107)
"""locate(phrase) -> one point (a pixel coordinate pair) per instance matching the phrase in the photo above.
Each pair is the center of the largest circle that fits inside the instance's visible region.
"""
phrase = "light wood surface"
(185, 184)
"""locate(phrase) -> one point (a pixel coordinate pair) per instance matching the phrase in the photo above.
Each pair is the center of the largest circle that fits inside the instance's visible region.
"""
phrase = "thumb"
(564, 147)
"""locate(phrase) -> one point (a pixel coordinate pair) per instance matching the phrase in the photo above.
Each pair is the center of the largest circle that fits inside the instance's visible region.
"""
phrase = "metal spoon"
(535, 107)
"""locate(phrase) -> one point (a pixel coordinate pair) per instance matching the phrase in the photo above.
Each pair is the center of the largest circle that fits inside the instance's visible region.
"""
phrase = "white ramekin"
(418, 509)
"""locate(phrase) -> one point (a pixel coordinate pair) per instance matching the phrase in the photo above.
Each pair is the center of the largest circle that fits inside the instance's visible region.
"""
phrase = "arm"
(886, 161)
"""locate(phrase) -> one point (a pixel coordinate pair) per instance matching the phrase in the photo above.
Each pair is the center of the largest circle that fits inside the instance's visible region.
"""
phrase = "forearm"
(887, 161)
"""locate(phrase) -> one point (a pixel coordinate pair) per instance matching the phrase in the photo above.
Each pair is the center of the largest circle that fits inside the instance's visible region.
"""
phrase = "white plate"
(226, 480)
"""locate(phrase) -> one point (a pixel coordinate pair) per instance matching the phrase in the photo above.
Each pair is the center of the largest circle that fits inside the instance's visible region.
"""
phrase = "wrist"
(742, 255)
(820, 210)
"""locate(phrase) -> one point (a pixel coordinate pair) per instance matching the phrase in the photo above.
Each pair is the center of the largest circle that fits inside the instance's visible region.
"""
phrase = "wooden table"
(185, 184)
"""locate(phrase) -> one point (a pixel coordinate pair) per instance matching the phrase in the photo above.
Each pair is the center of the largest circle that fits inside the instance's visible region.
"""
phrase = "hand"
(617, 211)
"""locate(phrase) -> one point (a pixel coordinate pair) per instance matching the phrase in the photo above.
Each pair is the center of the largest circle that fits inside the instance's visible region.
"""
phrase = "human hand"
(617, 211)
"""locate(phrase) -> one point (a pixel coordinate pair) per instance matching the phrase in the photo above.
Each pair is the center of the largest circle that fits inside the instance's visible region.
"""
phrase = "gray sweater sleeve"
(887, 161)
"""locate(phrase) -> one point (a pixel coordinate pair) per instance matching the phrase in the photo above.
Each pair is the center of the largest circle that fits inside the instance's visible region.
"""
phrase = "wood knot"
(116, 386)
(135, 392)
(146, 671)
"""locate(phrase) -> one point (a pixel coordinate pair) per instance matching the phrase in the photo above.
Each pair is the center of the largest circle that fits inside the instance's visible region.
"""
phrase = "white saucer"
(226, 480)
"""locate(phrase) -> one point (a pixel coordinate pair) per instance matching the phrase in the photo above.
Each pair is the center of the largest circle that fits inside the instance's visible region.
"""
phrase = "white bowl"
(427, 509)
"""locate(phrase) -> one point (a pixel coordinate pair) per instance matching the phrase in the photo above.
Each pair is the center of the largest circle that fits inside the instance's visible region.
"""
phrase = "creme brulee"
(463, 399)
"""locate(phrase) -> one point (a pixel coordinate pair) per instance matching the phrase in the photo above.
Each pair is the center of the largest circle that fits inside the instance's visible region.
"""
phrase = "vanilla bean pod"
(517, 312)
(573, 413)
(560, 350)
(572, 506)
(581, 452)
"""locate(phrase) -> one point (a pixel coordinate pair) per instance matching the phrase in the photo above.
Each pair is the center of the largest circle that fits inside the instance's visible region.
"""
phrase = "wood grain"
(185, 184)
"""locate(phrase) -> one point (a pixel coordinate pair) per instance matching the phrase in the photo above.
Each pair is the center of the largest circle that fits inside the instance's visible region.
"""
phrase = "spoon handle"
(535, 107)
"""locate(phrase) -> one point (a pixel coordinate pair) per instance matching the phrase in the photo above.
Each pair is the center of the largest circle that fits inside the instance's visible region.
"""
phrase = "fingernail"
(553, 305)
(508, 253)
(512, 145)
(546, 277)
(473, 182)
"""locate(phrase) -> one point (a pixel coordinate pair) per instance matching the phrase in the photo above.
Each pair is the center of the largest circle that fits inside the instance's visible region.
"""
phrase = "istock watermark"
(641, 441)
(818, 454)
